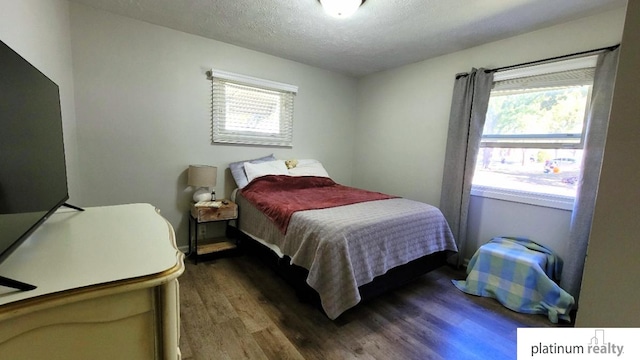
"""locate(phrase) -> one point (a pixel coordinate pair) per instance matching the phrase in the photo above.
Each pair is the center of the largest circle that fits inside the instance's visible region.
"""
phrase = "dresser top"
(74, 250)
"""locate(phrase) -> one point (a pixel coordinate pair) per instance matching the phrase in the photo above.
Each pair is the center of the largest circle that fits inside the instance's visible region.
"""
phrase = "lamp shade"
(202, 175)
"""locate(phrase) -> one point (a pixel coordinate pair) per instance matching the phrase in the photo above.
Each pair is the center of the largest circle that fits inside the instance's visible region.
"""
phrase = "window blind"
(571, 72)
(546, 81)
(247, 110)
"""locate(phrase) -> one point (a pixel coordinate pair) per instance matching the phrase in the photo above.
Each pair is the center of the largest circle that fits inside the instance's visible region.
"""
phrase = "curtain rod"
(610, 48)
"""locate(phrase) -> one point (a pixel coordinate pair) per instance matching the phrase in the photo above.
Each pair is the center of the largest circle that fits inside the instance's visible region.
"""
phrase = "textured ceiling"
(382, 34)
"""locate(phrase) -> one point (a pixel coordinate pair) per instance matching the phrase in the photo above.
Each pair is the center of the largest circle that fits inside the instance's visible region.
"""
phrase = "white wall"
(38, 30)
(404, 113)
(491, 217)
(143, 110)
(610, 290)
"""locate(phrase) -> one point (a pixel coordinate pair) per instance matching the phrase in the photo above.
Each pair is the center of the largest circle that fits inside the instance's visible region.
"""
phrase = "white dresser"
(107, 288)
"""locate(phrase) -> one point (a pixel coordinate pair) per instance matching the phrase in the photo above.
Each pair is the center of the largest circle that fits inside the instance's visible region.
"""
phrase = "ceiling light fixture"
(341, 8)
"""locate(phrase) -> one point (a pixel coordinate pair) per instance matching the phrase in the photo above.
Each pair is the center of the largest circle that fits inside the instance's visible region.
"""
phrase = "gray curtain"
(596, 133)
(468, 109)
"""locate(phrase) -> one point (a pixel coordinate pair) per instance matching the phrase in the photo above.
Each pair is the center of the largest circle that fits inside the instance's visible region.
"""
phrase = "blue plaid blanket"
(521, 274)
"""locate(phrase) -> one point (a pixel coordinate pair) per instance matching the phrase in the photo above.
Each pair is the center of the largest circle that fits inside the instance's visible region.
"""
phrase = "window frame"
(524, 197)
(219, 132)
(529, 197)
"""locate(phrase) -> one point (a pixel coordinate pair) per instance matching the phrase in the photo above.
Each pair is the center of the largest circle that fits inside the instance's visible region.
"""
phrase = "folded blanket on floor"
(520, 274)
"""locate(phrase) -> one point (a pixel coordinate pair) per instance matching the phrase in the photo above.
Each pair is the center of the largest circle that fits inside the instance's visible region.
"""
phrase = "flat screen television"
(33, 176)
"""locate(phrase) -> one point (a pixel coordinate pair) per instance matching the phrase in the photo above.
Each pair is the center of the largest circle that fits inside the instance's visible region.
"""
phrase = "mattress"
(348, 246)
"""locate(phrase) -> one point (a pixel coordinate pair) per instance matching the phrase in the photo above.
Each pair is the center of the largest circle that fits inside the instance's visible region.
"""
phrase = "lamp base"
(202, 194)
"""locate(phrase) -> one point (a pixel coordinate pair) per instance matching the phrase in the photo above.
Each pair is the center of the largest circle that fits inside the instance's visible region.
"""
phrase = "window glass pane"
(251, 109)
(547, 171)
(533, 134)
(242, 113)
(537, 115)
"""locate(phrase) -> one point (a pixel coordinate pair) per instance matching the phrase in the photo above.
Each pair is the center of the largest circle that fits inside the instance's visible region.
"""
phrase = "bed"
(336, 245)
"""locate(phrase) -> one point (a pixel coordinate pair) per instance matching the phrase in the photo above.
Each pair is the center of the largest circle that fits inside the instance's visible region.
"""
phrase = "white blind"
(551, 80)
(570, 72)
(248, 110)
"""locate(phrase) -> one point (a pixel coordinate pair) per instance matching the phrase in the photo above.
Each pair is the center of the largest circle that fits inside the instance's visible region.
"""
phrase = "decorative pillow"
(276, 167)
(308, 167)
(237, 169)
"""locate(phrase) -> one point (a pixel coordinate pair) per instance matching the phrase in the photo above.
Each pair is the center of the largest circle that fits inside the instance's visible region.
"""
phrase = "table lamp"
(203, 178)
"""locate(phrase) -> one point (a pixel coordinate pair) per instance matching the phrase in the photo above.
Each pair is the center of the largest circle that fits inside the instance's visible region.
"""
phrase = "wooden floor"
(237, 308)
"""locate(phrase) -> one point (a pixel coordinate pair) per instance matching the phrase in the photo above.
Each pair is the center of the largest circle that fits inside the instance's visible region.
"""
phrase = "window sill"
(524, 197)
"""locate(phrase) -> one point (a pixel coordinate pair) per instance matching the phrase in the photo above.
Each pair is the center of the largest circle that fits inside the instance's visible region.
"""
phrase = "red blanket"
(279, 196)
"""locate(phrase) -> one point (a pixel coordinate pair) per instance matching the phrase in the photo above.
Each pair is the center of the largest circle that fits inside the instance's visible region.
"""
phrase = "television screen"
(33, 179)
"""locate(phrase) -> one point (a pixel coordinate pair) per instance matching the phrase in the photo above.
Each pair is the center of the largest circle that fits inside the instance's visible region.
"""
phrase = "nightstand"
(228, 210)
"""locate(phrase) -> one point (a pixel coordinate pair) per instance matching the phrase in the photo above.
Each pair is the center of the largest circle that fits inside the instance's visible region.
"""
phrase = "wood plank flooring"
(237, 308)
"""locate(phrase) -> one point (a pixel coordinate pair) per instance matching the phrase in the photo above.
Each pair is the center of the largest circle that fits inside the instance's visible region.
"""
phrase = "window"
(531, 146)
(247, 110)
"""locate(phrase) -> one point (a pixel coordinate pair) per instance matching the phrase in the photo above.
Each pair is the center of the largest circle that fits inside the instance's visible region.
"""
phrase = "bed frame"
(296, 275)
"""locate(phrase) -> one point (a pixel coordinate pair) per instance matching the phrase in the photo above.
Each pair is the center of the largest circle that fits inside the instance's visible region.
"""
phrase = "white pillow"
(308, 167)
(276, 167)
